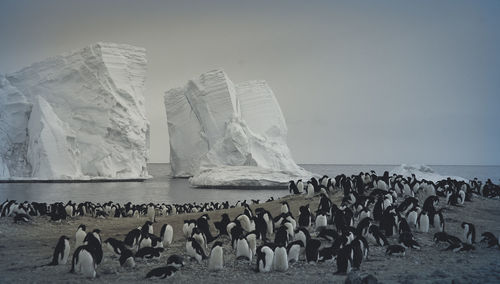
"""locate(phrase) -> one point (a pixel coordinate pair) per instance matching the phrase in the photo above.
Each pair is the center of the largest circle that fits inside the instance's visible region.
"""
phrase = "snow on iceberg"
(421, 172)
(226, 134)
(78, 116)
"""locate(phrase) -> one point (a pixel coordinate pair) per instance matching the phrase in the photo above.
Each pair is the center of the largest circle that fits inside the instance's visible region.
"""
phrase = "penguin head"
(83, 227)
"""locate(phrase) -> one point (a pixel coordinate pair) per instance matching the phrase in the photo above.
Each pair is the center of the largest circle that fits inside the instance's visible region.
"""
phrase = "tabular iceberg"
(226, 134)
(77, 116)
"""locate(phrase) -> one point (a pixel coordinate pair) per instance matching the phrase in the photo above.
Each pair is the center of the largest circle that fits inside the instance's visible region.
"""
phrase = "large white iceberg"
(225, 134)
(78, 116)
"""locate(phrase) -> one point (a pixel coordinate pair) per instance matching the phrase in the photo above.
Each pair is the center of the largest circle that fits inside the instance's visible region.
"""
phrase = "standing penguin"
(423, 222)
(300, 186)
(166, 234)
(293, 249)
(344, 260)
(80, 235)
(87, 257)
(243, 249)
(216, 260)
(312, 250)
(469, 233)
(194, 250)
(61, 251)
(265, 257)
(280, 259)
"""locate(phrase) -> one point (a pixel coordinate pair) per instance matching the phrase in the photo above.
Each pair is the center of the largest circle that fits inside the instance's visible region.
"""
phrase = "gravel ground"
(25, 247)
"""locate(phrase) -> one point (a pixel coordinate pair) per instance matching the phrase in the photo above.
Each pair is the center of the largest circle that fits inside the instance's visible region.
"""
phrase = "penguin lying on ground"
(162, 272)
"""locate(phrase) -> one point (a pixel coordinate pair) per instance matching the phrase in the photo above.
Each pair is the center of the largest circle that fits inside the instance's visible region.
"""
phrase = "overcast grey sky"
(373, 82)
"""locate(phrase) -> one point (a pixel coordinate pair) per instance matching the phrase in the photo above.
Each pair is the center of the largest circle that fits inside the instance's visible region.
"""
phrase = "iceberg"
(228, 135)
(77, 116)
(421, 172)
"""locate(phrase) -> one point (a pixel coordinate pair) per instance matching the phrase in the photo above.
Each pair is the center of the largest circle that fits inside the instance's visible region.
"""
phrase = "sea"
(162, 188)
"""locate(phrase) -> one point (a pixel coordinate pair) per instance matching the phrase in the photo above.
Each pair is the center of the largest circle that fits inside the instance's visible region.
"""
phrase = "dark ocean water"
(162, 188)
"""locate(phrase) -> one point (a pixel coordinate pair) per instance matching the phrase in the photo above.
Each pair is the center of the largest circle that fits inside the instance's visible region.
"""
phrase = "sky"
(359, 82)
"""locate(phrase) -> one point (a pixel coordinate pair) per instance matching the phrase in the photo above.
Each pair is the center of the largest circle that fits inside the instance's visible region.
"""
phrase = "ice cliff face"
(215, 124)
(80, 115)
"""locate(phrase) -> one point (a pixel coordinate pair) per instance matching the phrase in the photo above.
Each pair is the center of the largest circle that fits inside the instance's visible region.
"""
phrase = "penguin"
(423, 222)
(61, 251)
(145, 240)
(469, 233)
(321, 220)
(194, 250)
(265, 258)
(300, 186)
(200, 237)
(216, 260)
(344, 260)
(357, 253)
(97, 235)
(377, 237)
(302, 234)
(285, 208)
(243, 249)
(203, 226)
(363, 226)
(149, 252)
(328, 234)
(21, 218)
(310, 190)
(305, 216)
(407, 240)
(187, 228)
(83, 262)
(293, 251)
(292, 188)
(87, 257)
(166, 234)
(252, 242)
(151, 212)
(147, 227)
(281, 236)
(490, 239)
(132, 239)
(412, 216)
(221, 225)
(438, 220)
(115, 246)
(162, 272)
(246, 223)
(175, 260)
(395, 250)
(127, 258)
(280, 260)
(80, 235)
(312, 250)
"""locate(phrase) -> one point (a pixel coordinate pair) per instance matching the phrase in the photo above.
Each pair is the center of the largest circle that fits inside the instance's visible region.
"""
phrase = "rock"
(88, 106)
(214, 124)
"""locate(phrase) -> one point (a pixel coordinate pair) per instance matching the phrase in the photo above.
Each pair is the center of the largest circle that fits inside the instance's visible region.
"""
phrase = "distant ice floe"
(421, 172)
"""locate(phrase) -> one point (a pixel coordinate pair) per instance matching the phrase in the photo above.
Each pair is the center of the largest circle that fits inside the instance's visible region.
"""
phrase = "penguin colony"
(373, 209)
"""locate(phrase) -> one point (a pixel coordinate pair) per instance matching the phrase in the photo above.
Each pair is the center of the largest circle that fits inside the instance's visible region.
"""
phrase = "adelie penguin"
(490, 239)
(127, 258)
(61, 252)
(292, 187)
(293, 250)
(162, 272)
(86, 257)
(312, 250)
(423, 222)
(216, 260)
(265, 257)
(175, 260)
(243, 249)
(115, 246)
(149, 252)
(280, 258)
(344, 260)
(194, 250)
(80, 235)
(469, 233)
(166, 234)
(395, 250)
